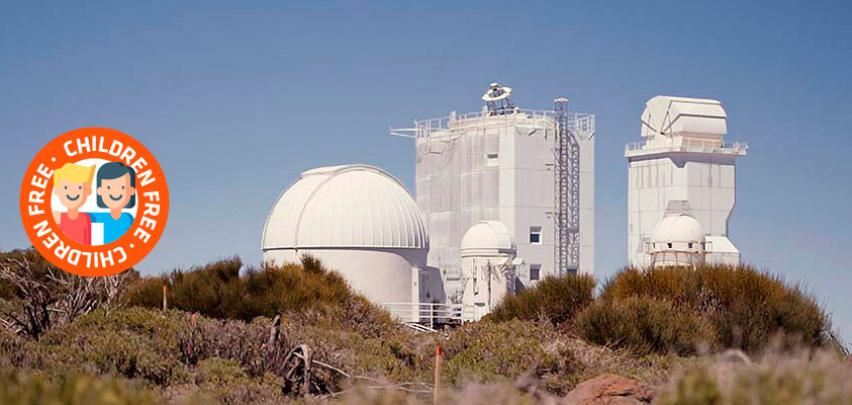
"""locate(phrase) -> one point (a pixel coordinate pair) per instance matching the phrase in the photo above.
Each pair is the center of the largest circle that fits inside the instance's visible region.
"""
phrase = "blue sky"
(236, 100)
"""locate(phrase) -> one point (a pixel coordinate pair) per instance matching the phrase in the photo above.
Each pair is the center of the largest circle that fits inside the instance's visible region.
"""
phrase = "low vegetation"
(230, 333)
(777, 378)
(218, 290)
(645, 326)
(554, 299)
(745, 307)
(489, 352)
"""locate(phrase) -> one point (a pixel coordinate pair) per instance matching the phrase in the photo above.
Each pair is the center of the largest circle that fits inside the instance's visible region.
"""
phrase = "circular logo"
(94, 201)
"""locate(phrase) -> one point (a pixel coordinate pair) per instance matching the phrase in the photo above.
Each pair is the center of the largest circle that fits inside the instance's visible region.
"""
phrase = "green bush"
(308, 291)
(794, 379)
(74, 389)
(486, 351)
(555, 299)
(746, 307)
(644, 325)
(133, 343)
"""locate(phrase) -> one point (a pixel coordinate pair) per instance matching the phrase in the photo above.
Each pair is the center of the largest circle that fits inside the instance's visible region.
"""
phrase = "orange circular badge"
(94, 201)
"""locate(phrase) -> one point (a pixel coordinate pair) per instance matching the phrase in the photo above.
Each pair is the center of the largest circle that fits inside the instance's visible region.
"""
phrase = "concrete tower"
(498, 164)
(681, 184)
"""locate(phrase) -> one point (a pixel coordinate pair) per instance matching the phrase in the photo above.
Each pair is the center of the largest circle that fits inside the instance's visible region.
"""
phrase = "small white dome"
(678, 228)
(345, 206)
(487, 237)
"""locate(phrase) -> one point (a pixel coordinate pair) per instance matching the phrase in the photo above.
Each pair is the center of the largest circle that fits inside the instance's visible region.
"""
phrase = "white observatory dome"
(488, 271)
(678, 228)
(487, 238)
(358, 220)
(345, 206)
(678, 240)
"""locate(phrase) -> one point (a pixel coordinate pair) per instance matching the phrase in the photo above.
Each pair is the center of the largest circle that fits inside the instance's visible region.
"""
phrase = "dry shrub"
(644, 325)
(228, 360)
(227, 382)
(556, 299)
(746, 307)
(789, 378)
(473, 394)
(35, 295)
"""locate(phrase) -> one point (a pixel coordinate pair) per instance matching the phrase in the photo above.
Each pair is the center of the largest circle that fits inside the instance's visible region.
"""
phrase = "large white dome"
(345, 206)
(678, 228)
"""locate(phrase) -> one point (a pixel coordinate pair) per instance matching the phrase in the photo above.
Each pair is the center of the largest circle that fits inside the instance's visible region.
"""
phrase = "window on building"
(492, 159)
(535, 272)
(535, 235)
(670, 245)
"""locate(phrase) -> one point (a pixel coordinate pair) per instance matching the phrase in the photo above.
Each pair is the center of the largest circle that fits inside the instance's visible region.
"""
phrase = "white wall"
(488, 279)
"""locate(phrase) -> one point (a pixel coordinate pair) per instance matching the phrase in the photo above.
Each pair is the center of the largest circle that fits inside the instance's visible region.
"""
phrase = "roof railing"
(584, 123)
(733, 147)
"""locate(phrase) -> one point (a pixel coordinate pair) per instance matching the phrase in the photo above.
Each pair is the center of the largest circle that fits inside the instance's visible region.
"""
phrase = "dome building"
(360, 221)
(488, 260)
(678, 240)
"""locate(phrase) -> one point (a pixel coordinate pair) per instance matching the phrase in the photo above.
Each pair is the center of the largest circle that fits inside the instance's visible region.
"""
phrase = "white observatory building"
(360, 221)
(488, 256)
(681, 185)
(531, 170)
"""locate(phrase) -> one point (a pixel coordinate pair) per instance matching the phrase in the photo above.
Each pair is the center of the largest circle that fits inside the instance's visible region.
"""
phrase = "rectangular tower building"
(499, 164)
(683, 167)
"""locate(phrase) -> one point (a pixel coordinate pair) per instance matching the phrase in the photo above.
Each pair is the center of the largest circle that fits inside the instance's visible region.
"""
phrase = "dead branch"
(52, 297)
(300, 380)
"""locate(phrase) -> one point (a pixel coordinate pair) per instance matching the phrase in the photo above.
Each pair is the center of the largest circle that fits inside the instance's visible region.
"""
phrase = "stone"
(609, 389)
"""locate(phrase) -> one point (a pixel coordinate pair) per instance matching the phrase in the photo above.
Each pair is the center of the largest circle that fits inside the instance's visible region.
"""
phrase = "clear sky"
(236, 101)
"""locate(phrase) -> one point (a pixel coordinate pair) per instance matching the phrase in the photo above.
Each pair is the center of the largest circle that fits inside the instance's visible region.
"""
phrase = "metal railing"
(430, 314)
(582, 123)
(733, 147)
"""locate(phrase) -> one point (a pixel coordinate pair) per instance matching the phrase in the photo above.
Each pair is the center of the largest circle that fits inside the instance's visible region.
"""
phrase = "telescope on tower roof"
(498, 100)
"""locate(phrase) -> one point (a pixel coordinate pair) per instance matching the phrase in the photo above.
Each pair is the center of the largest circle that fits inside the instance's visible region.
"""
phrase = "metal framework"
(566, 181)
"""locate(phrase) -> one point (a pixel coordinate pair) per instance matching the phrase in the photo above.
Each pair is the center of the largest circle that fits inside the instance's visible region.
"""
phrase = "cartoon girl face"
(116, 193)
(116, 186)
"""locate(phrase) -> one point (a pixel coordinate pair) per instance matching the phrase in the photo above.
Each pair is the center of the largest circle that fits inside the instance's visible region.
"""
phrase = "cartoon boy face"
(72, 194)
(72, 183)
(117, 192)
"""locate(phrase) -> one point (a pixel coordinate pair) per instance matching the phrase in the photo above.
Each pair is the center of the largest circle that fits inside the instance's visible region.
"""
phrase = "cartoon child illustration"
(72, 183)
(116, 190)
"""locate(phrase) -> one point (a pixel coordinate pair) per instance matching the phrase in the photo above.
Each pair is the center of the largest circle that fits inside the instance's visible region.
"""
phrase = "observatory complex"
(681, 185)
(505, 197)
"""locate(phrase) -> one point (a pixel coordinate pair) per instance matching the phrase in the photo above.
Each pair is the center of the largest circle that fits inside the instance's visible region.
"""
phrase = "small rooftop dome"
(345, 206)
(678, 228)
(487, 238)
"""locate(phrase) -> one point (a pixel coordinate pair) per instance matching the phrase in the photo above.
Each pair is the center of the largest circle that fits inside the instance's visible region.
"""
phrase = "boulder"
(609, 389)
